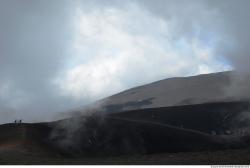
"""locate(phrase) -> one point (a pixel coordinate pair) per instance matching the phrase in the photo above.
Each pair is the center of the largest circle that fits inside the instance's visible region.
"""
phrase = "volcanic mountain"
(188, 114)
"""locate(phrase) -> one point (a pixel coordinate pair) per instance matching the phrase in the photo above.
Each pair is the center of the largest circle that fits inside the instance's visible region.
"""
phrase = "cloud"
(33, 44)
(121, 48)
(10, 95)
(56, 55)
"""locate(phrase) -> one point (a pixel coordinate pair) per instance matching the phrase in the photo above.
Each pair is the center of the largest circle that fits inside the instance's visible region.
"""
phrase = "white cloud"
(119, 48)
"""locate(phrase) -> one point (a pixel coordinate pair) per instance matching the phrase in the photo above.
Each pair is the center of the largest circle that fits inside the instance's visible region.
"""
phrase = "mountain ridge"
(202, 88)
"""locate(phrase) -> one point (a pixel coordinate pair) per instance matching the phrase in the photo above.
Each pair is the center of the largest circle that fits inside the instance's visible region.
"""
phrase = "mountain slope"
(169, 92)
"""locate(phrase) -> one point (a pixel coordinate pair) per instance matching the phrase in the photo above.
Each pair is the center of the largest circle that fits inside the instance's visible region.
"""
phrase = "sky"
(61, 54)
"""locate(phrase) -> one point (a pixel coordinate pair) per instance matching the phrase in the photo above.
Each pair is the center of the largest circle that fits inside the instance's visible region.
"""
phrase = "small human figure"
(20, 121)
(15, 121)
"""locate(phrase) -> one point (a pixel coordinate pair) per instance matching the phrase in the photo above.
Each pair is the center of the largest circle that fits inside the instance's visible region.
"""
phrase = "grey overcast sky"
(60, 54)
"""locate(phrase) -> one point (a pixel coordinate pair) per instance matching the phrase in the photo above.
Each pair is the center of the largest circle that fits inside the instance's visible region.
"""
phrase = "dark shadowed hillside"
(207, 117)
(188, 128)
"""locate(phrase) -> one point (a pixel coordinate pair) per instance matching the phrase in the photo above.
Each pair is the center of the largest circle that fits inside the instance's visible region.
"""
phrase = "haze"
(56, 55)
